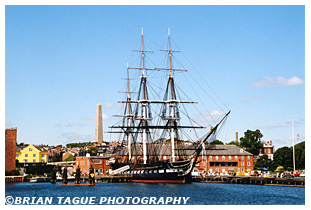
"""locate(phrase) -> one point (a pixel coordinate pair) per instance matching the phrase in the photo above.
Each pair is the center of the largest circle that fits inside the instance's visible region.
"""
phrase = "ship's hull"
(178, 172)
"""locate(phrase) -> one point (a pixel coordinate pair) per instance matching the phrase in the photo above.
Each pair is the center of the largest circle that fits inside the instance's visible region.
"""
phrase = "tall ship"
(154, 148)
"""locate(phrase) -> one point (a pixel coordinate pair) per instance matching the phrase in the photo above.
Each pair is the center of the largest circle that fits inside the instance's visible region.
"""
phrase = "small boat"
(40, 179)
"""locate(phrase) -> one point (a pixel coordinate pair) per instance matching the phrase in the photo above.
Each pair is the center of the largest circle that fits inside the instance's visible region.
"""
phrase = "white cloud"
(282, 124)
(112, 106)
(208, 116)
(216, 113)
(273, 81)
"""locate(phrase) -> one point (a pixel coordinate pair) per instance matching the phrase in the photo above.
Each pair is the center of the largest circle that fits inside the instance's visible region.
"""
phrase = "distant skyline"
(61, 61)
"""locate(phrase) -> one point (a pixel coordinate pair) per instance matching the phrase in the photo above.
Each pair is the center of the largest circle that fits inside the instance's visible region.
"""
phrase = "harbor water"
(198, 193)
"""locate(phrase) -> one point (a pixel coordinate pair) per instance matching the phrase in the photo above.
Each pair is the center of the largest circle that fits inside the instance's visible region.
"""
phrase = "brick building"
(10, 148)
(267, 149)
(223, 159)
(99, 163)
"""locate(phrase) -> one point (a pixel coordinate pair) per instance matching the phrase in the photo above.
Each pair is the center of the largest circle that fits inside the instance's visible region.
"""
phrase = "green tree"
(234, 143)
(300, 155)
(263, 162)
(283, 157)
(92, 151)
(251, 141)
(70, 158)
(216, 142)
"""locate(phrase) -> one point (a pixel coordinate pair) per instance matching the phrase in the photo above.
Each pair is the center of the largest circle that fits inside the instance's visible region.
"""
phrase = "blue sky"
(63, 60)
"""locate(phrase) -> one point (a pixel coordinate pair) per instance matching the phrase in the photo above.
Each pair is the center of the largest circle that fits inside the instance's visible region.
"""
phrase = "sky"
(60, 61)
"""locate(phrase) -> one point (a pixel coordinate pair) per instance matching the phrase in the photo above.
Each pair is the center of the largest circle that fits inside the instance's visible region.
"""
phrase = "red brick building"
(99, 163)
(10, 149)
(224, 159)
(267, 149)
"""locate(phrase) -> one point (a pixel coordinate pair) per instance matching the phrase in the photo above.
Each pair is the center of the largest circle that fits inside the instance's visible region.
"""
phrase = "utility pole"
(293, 145)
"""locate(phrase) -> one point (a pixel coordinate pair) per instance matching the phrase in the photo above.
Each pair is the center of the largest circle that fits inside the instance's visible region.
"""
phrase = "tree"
(234, 143)
(70, 158)
(283, 157)
(300, 155)
(216, 142)
(251, 141)
(263, 162)
(92, 151)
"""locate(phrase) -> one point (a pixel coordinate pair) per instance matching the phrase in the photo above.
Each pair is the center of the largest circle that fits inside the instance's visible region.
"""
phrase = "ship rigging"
(145, 145)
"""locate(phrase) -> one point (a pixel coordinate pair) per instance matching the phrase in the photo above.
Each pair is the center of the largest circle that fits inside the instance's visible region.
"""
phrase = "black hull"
(177, 172)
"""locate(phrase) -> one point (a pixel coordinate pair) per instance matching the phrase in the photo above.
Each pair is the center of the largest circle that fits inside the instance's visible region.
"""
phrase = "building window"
(42, 161)
(100, 170)
(34, 155)
(34, 160)
(164, 157)
(223, 157)
(107, 162)
(248, 157)
(229, 157)
(97, 161)
(42, 155)
(210, 157)
(30, 149)
(16, 155)
(217, 170)
(204, 163)
(242, 170)
(238, 170)
(242, 157)
(236, 157)
(88, 162)
(242, 163)
(216, 157)
(248, 163)
(83, 162)
(269, 151)
(223, 164)
(26, 155)
(26, 161)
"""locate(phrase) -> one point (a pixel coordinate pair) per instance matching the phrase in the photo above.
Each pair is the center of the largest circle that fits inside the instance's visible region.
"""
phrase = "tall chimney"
(99, 124)
(236, 137)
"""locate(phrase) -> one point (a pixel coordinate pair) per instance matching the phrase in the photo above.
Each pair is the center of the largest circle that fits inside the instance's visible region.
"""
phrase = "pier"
(296, 182)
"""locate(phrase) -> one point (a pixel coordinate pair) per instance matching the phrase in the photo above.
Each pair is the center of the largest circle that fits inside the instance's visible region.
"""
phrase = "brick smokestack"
(236, 137)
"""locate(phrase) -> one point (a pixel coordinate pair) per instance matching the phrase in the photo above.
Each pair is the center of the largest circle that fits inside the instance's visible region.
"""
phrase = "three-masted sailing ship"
(154, 158)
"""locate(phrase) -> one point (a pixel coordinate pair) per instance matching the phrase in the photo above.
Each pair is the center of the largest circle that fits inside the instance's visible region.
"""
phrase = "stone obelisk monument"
(99, 124)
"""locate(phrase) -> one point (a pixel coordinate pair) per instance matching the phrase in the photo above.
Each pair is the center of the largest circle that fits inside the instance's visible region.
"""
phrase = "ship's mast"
(144, 98)
(171, 107)
(129, 114)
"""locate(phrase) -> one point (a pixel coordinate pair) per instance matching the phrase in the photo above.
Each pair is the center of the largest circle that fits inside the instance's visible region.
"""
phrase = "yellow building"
(31, 154)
